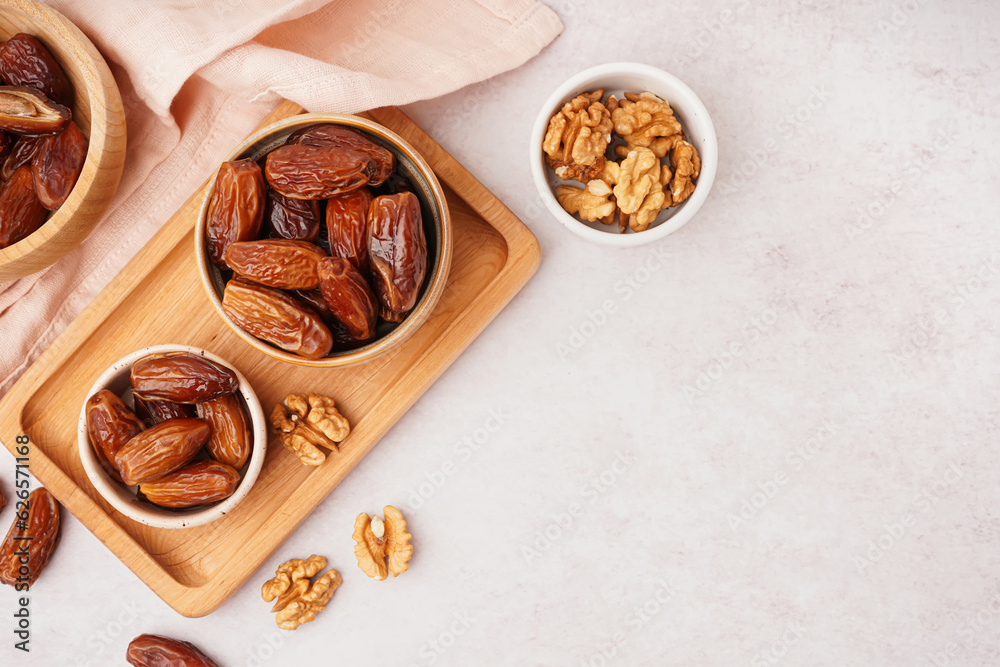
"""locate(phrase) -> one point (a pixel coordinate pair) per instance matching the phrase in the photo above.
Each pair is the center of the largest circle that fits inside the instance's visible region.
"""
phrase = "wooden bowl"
(437, 228)
(97, 109)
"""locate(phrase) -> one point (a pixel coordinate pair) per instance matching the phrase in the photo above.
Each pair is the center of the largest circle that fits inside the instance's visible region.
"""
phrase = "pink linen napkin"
(197, 76)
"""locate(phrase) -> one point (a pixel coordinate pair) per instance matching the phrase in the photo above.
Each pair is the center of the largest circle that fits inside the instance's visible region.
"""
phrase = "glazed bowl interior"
(123, 498)
(434, 213)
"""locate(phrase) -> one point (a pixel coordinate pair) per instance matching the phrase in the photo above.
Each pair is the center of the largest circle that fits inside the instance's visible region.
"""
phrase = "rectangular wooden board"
(158, 298)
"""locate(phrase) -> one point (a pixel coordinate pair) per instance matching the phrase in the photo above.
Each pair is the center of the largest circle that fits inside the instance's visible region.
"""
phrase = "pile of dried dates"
(188, 437)
(42, 150)
(318, 242)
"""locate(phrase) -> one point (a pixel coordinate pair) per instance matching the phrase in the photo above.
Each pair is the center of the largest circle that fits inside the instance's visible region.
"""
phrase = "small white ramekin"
(123, 498)
(618, 78)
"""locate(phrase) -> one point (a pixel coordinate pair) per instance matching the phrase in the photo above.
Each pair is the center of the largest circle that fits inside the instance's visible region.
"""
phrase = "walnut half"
(306, 422)
(298, 599)
(380, 541)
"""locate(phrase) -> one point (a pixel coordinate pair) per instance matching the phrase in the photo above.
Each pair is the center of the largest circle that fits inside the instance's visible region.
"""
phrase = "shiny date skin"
(181, 378)
(236, 210)
(200, 483)
(315, 172)
(27, 111)
(276, 318)
(337, 136)
(161, 449)
(398, 252)
(157, 412)
(22, 153)
(280, 263)
(349, 297)
(231, 440)
(159, 651)
(347, 227)
(111, 424)
(295, 219)
(21, 212)
(57, 165)
(24, 61)
(37, 535)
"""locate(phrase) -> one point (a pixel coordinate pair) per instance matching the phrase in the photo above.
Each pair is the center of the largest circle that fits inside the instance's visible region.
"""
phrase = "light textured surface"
(843, 374)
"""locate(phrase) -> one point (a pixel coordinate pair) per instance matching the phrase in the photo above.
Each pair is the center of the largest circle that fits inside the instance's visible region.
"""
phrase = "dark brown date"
(27, 111)
(231, 441)
(21, 212)
(200, 483)
(336, 136)
(398, 252)
(314, 299)
(236, 210)
(37, 535)
(157, 651)
(276, 318)
(296, 219)
(280, 263)
(157, 412)
(111, 425)
(181, 378)
(57, 165)
(161, 450)
(347, 227)
(315, 172)
(21, 154)
(350, 298)
(24, 61)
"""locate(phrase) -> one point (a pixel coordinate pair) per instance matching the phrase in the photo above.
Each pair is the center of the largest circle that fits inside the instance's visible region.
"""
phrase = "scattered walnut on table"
(298, 598)
(577, 136)
(306, 422)
(383, 547)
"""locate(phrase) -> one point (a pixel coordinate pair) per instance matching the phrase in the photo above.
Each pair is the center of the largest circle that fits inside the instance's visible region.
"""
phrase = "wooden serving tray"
(158, 298)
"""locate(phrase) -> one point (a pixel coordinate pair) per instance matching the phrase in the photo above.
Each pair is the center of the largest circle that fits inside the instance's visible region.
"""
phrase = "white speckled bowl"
(123, 498)
(617, 78)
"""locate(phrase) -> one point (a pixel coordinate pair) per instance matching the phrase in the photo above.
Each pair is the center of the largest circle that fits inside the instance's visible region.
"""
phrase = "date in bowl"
(127, 499)
(97, 110)
(261, 273)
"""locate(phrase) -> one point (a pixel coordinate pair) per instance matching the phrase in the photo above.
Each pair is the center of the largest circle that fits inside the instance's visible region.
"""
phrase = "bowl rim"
(691, 106)
(423, 308)
(103, 165)
(152, 516)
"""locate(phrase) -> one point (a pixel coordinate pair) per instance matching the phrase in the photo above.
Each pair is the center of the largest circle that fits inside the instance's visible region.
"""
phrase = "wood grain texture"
(98, 111)
(158, 298)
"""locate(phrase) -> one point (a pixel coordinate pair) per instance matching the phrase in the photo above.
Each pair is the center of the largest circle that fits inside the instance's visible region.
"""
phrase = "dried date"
(296, 219)
(347, 227)
(157, 651)
(111, 425)
(236, 210)
(350, 298)
(315, 172)
(161, 449)
(276, 318)
(280, 263)
(27, 111)
(7, 142)
(24, 61)
(181, 378)
(21, 154)
(231, 441)
(200, 483)
(156, 412)
(31, 540)
(336, 136)
(57, 165)
(398, 252)
(21, 213)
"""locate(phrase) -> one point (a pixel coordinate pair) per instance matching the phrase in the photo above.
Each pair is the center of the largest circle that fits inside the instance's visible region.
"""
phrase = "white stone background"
(856, 429)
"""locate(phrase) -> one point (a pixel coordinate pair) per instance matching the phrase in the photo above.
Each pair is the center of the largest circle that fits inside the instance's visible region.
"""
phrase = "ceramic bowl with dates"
(172, 436)
(324, 240)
